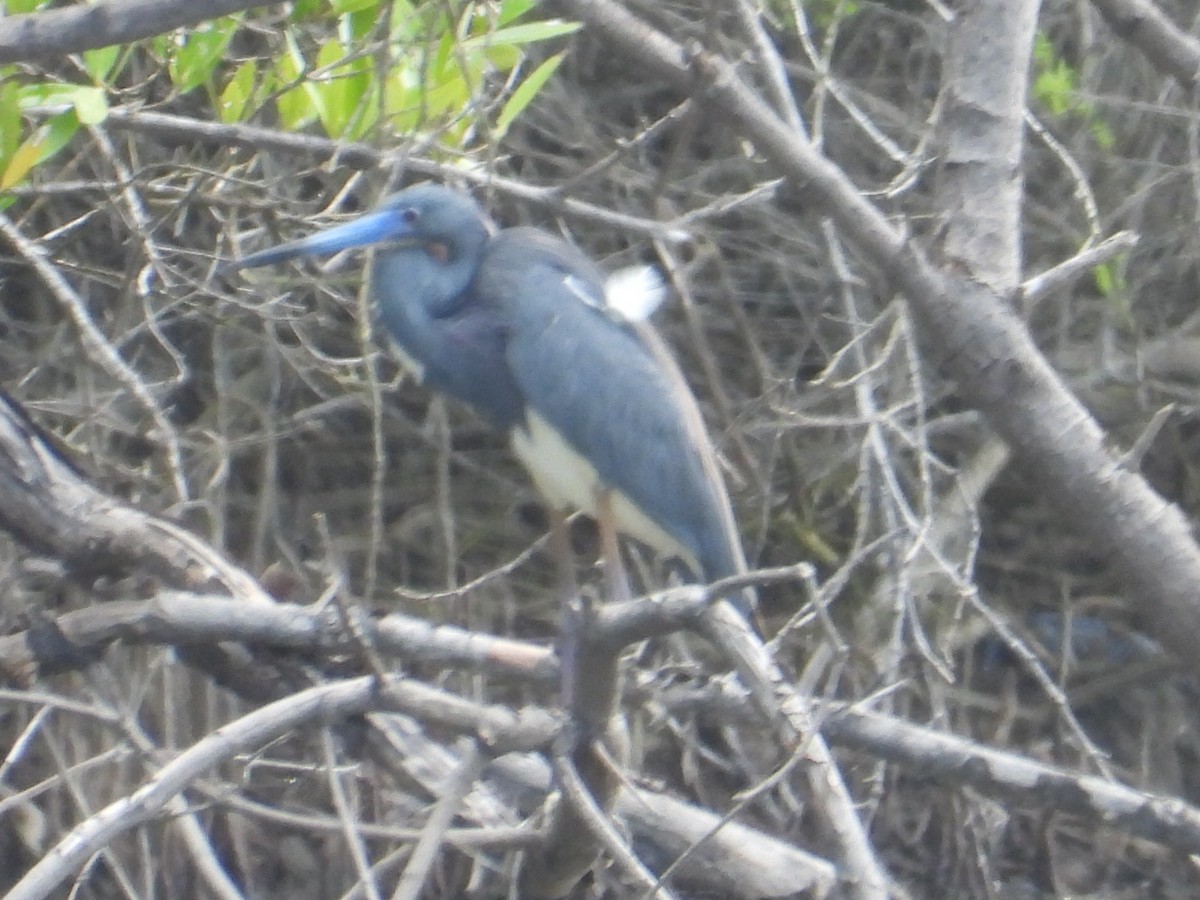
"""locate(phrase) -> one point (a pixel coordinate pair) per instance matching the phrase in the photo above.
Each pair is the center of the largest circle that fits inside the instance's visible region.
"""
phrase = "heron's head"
(444, 223)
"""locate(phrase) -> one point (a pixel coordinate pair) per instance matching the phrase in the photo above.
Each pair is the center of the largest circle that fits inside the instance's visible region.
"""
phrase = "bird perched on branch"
(526, 331)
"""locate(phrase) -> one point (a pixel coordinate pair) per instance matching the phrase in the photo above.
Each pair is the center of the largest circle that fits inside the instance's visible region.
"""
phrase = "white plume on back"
(634, 293)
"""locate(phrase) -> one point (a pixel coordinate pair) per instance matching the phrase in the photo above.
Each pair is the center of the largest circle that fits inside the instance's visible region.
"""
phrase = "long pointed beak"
(372, 228)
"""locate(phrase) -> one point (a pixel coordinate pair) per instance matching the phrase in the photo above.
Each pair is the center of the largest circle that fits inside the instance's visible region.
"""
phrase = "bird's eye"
(410, 215)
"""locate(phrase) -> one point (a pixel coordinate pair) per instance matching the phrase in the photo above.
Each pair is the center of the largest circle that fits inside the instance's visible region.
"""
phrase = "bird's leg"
(594, 744)
(616, 581)
(560, 549)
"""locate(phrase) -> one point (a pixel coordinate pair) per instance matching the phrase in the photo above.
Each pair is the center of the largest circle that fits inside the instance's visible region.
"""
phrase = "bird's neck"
(418, 289)
(414, 289)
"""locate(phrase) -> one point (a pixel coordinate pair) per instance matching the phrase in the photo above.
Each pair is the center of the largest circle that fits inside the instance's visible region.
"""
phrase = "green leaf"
(10, 121)
(356, 27)
(341, 95)
(1110, 280)
(231, 105)
(402, 99)
(17, 7)
(160, 46)
(440, 62)
(39, 146)
(525, 92)
(58, 133)
(1043, 49)
(336, 90)
(444, 97)
(1105, 279)
(91, 105)
(519, 35)
(513, 9)
(367, 113)
(202, 50)
(1103, 134)
(305, 9)
(296, 106)
(407, 24)
(100, 63)
(502, 57)
(1055, 87)
(341, 7)
(44, 93)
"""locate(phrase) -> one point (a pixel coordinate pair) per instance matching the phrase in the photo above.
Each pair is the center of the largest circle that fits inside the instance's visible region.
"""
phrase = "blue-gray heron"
(516, 324)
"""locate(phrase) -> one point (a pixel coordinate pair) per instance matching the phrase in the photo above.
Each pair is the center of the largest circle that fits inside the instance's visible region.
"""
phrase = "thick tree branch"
(982, 135)
(48, 505)
(57, 32)
(181, 618)
(76, 638)
(591, 692)
(1159, 818)
(1143, 24)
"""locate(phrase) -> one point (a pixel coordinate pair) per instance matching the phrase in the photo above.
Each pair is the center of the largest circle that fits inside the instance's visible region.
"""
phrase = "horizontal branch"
(76, 638)
(88, 26)
(1167, 820)
(174, 617)
(166, 127)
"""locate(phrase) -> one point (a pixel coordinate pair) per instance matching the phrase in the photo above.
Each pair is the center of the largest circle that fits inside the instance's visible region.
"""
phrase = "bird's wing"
(607, 392)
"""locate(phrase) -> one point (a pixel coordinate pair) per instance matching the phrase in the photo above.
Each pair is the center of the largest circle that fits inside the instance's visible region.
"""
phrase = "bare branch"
(982, 133)
(364, 156)
(75, 639)
(1156, 817)
(57, 32)
(1167, 46)
(425, 852)
(1067, 271)
(596, 820)
(591, 693)
(48, 505)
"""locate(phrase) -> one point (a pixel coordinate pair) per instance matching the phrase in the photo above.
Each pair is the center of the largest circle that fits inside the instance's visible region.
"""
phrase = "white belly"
(569, 482)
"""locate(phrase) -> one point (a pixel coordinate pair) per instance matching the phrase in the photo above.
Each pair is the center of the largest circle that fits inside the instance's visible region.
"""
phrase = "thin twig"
(433, 835)
(576, 793)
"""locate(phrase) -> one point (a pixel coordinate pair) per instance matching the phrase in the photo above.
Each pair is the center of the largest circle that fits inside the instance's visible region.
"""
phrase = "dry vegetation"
(263, 414)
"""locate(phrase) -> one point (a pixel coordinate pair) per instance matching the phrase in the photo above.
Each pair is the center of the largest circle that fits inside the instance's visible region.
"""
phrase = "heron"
(521, 326)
